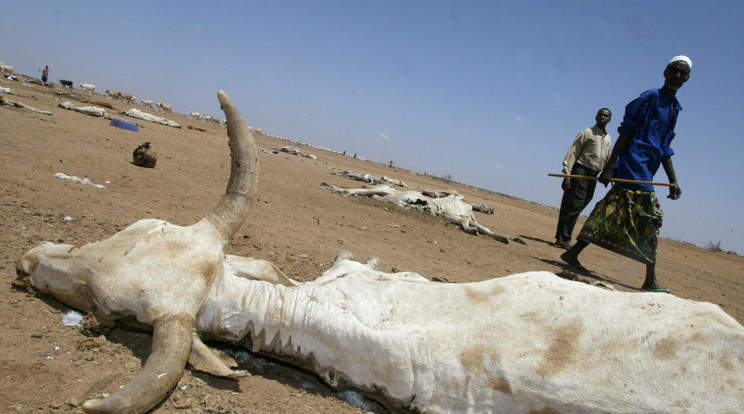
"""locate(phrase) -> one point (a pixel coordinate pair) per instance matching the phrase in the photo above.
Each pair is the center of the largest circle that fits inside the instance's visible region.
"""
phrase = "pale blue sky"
(490, 93)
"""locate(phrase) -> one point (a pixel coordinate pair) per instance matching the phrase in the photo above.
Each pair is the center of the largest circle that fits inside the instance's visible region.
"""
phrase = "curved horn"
(171, 345)
(228, 215)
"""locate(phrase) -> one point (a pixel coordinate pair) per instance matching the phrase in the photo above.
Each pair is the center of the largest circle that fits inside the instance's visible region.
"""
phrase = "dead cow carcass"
(530, 342)
(144, 156)
(451, 206)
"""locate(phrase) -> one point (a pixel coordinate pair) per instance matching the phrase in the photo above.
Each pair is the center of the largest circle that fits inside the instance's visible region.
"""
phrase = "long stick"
(616, 180)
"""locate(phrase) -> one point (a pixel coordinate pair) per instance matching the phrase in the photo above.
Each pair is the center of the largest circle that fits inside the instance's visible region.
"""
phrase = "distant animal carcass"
(452, 207)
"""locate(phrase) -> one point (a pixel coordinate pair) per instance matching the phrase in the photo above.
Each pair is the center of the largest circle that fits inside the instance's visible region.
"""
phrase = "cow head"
(154, 271)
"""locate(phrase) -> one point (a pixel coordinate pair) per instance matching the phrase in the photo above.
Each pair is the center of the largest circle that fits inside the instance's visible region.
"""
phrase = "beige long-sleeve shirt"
(591, 148)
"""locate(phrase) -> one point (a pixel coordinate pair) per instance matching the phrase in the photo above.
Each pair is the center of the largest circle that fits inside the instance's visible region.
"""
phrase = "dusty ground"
(47, 367)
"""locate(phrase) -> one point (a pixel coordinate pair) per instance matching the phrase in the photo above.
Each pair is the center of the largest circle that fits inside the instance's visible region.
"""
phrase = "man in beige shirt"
(587, 156)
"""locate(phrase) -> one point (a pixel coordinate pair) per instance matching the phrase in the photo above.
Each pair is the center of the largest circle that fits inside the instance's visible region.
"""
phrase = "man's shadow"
(571, 273)
(536, 239)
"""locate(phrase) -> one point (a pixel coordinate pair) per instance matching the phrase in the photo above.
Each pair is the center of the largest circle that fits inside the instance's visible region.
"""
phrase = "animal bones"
(530, 342)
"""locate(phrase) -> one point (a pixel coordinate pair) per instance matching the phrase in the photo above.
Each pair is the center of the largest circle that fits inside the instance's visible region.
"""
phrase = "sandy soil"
(48, 367)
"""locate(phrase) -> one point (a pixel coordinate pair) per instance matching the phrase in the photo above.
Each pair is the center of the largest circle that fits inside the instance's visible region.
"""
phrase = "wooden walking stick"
(615, 180)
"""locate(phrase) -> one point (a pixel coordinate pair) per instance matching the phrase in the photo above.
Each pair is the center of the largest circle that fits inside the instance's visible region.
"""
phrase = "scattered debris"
(196, 128)
(124, 124)
(144, 156)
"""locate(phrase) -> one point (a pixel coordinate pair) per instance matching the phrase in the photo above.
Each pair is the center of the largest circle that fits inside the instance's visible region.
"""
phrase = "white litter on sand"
(356, 399)
(72, 318)
(78, 180)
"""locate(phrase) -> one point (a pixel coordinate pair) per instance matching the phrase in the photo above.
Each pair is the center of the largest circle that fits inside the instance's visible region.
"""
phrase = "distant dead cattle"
(295, 151)
(451, 207)
(371, 179)
(145, 156)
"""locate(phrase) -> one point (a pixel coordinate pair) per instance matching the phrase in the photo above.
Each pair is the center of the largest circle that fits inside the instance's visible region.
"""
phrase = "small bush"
(714, 247)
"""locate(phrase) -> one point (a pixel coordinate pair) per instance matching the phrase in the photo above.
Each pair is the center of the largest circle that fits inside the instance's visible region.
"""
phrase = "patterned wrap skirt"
(626, 222)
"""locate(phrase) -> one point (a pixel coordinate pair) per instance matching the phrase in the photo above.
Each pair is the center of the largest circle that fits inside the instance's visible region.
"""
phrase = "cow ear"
(255, 269)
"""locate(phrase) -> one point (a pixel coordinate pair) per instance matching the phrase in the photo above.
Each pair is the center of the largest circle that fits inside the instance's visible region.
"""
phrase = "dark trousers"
(574, 201)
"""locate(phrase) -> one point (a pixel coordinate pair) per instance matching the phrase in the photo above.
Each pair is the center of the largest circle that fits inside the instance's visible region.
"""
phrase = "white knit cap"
(681, 58)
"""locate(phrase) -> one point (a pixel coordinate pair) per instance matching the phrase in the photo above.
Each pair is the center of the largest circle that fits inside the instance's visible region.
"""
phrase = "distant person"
(628, 219)
(587, 156)
(45, 74)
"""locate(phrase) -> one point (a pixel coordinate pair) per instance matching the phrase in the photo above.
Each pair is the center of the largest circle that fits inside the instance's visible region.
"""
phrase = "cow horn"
(171, 345)
(232, 209)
